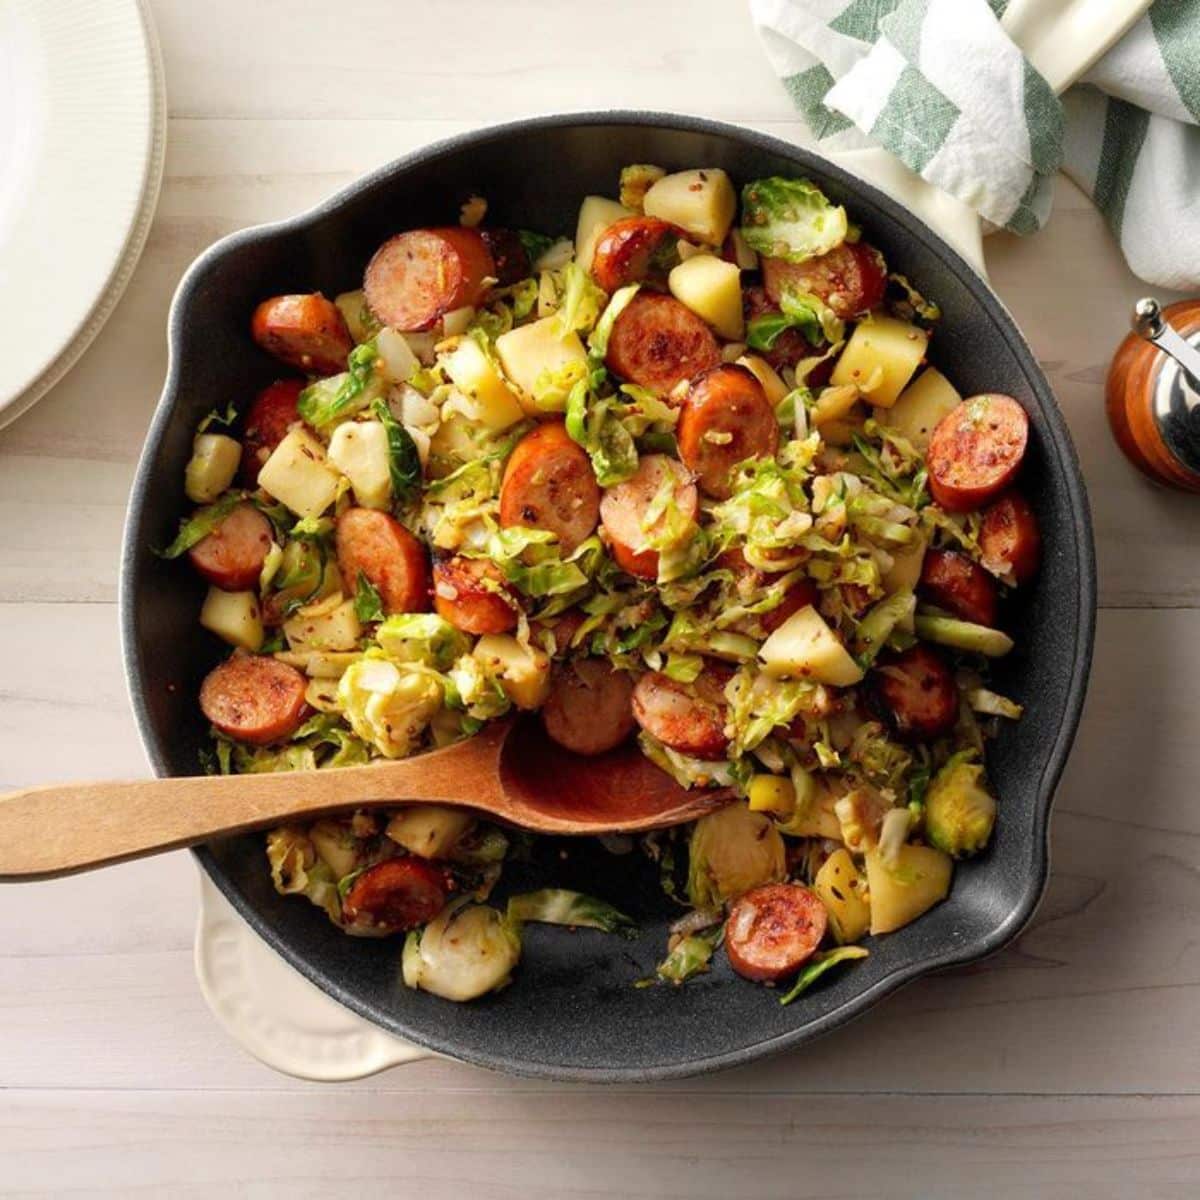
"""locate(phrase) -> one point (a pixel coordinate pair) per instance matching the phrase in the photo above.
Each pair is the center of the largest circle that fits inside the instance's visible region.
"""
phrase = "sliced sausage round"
(688, 717)
(232, 556)
(1009, 538)
(270, 417)
(726, 419)
(471, 595)
(657, 343)
(623, 511)
(509, 257)
(850, 278)
(305, 331)
(390, 557)
(396, 894)
(953, 582)
(549, 484)
(915, 691)
(772, 930)
(415, 278)
(590, 706)
(975, 451)
(625, 251)
(254, 698)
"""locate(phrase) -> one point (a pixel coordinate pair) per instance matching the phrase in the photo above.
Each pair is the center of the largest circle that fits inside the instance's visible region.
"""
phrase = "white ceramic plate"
(82, 133)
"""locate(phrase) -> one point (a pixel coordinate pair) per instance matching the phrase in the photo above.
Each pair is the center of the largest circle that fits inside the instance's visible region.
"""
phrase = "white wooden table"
(1067, 1066)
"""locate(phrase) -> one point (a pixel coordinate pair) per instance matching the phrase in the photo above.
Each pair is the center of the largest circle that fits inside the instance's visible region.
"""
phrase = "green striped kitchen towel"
(939, 84)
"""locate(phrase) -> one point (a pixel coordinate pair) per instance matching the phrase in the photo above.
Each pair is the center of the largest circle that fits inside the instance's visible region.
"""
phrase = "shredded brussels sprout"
(557, 906)
(690, 956)
(817, 966)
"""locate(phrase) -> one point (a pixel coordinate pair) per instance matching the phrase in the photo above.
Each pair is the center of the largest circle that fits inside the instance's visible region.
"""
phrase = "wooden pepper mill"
(1153, 393)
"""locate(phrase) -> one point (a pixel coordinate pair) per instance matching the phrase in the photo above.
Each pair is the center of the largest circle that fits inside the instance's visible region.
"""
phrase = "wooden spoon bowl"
(511, 772)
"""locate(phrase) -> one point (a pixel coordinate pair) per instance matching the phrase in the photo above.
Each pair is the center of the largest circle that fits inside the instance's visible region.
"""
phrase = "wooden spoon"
(510, 771)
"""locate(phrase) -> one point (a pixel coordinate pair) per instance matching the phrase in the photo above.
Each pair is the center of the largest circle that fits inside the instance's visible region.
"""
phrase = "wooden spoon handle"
(48, 831)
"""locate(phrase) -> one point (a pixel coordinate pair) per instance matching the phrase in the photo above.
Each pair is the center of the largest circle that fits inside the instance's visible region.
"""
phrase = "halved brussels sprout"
(465, 952)
(732, 851)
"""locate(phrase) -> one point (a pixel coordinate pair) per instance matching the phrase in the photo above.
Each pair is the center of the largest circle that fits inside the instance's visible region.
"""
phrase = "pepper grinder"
(1153, 393)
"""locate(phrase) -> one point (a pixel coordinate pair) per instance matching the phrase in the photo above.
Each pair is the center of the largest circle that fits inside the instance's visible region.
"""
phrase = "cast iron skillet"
(572, 1012)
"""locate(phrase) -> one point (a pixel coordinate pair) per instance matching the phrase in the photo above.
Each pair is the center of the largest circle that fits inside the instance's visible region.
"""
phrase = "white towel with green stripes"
(940, 85)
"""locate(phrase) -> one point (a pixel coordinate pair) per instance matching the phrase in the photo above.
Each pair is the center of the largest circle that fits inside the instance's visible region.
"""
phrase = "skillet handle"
(274, 1013)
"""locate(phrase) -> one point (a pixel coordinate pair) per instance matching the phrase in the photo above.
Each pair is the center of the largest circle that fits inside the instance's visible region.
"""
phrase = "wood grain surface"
(1067, 1066)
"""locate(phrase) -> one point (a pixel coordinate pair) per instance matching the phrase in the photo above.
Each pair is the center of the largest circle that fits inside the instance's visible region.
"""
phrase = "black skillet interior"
(572, 1011)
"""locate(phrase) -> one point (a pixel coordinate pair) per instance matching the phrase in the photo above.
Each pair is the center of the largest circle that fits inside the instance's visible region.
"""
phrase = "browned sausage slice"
(254, 699)
(589, 709)
(415, 278)
(725, 420)
(307, 331)
(915, 691)
(625, 251)
(391, 558)
(624, 507)
(688, 717)
(772, 930)
(975, 451)
(850, 278)
(471, 595)
(509, 257)
(1009, 538)
(232, 556)
(953, 582)
(396, 894)
(657, 342)
(270, 417)
(549, 484)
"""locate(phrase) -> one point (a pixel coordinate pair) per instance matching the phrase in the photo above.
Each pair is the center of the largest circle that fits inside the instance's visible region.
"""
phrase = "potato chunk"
(921, 406)
(359, 449)
(328, 625)
(211, 469)
(901, 892)
(297, 475)
(358, 317)
(531, 351)
(523, 671)
(712, 289)
(596, 214)
(842, 891)
(336, 846)
(431, 830)
(234, 617)
(490, 401)
(805, 647)
(880, 358)
(701, 202)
